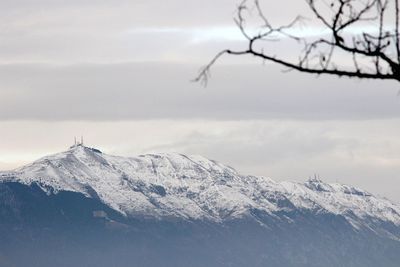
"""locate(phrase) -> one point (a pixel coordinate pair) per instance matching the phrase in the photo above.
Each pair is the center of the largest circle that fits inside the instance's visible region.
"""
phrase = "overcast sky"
(118, 72)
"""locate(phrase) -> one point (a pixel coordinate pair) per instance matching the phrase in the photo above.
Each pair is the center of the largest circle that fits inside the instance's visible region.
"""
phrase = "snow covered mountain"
(82, 207)
(193, 187)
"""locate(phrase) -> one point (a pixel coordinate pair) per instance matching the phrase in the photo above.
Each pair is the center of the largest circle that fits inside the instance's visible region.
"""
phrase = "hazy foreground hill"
(85, 208)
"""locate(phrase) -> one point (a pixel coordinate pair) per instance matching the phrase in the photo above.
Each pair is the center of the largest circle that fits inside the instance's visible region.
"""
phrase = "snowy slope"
(193, 187)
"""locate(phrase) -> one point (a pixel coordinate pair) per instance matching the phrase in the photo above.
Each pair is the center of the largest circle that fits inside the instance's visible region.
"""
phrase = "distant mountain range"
(82, 207)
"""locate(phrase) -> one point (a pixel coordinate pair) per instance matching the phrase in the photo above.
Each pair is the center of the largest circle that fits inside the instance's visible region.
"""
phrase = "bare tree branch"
(397, 12)
(345, 18)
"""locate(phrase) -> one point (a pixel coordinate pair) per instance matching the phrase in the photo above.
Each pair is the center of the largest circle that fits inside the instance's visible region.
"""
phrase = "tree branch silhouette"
(374, 52)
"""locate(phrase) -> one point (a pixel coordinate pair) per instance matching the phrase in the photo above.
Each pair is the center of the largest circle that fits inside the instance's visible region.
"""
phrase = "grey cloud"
(101, 31)
(122, 45)
(146, 12)
(98, 31)
(164, 91)
(106, 15)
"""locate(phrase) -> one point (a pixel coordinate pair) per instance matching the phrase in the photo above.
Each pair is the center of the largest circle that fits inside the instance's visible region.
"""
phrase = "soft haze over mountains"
(195, 211)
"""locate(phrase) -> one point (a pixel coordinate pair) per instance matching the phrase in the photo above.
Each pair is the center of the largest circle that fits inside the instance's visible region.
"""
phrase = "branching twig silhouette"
(378, 46)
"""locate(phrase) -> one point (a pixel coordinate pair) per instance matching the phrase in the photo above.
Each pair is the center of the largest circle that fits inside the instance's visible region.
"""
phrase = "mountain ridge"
(193, 188)
(82, 207)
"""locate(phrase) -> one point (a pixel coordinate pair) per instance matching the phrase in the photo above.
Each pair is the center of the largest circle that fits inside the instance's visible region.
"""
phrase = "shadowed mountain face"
(85, 208)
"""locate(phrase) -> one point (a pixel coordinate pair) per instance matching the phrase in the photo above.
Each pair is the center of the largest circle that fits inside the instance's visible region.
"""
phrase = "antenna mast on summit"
(82, 140)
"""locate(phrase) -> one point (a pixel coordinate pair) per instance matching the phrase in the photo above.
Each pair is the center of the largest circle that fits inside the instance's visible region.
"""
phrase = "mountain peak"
(80, 146)
(192, 187)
